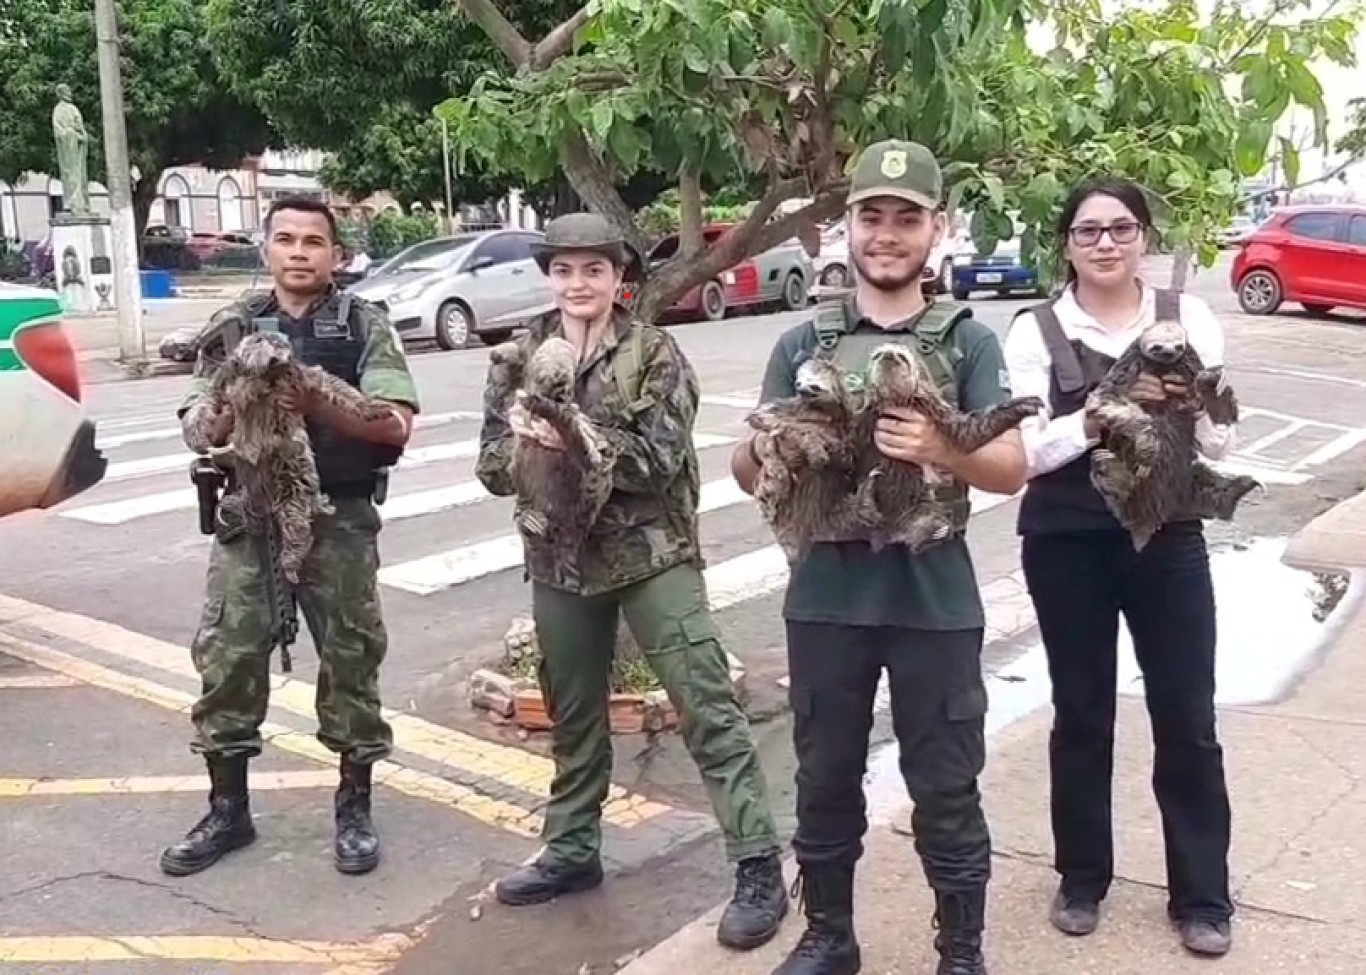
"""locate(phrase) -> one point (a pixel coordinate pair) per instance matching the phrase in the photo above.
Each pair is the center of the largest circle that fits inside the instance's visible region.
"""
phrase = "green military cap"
(905, 170)
(585, 232)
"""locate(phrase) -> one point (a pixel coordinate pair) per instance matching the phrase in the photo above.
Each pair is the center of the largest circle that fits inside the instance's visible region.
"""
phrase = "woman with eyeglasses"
(1083, 573)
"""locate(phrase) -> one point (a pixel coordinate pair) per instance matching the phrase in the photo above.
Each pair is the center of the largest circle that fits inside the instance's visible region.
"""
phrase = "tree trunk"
(144, 195)
(690, 237)
(1181, 262)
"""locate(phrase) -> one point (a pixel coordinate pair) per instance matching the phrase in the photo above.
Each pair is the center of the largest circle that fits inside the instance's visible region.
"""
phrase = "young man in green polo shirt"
(851, 611)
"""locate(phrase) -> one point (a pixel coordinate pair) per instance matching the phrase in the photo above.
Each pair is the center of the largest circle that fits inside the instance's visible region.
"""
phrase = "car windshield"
(430, 255)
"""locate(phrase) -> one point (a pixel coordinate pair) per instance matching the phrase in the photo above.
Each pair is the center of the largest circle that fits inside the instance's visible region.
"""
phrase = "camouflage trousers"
(667, 615)
(338, 598)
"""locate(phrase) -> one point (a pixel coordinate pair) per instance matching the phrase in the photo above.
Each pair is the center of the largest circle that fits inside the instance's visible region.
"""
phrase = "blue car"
(1000, 273)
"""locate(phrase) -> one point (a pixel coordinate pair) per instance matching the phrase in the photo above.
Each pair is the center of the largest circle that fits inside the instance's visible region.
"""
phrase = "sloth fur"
(892, 501)
(276, 471)
(1147, 469)
(561, 492)
(806, 483)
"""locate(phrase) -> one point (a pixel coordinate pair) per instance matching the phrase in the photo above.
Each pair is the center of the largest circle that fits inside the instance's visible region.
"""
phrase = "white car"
(481, 284)
(834, 275)
(47, 443)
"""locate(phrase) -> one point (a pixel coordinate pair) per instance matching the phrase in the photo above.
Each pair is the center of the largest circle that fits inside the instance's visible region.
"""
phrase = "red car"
(1314, 256)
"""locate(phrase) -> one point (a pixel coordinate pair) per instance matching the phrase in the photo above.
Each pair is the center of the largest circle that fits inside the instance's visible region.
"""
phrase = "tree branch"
(1333, 173)
(592, 181)
(558, 42)
(689, 210)
(500, 30)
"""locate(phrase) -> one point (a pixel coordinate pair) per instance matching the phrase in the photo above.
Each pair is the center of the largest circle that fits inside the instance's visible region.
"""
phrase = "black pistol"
(209, 481)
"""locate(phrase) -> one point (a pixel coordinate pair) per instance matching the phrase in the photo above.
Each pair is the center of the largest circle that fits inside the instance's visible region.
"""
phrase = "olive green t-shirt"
(847, 582)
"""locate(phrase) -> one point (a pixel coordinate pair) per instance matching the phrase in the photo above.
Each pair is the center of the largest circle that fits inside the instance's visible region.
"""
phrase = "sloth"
(270, 452)
(560, 492)
(806, 484)
(1147, 469)
(893, 502)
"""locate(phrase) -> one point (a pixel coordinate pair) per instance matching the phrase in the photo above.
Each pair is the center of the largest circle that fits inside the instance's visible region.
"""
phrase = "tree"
(361, 80)
(179, 112)
(787, 90)
(1353, 141)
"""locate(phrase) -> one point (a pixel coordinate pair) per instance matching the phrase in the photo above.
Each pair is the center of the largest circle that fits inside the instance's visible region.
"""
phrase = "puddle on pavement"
(1274, 622)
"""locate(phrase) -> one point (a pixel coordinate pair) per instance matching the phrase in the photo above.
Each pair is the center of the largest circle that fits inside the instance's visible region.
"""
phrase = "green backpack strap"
(932, 335)
(628, 366)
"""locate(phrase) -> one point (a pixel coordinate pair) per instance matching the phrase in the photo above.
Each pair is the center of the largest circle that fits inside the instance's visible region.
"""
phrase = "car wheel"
(945, 283)
(794, 292)
(454, 322)
(835, 276)
(1319, 310)
(960, 294)
(713, 301)
(497, 337)
(1259, 292)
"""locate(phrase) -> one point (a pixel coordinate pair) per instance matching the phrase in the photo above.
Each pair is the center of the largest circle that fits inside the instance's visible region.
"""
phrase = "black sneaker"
(757, 909)
(537, 883)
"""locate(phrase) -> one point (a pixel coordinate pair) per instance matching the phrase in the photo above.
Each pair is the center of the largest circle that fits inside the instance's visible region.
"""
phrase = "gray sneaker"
(1074, 916)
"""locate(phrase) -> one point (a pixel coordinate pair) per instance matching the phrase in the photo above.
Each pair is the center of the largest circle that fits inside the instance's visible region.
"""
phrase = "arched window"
(175, 202)
(229, 205)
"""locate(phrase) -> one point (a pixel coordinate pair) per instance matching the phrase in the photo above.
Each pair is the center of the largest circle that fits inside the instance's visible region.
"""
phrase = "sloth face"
(1163, 342)
(819, 379)
(895, 373)
(264, 353)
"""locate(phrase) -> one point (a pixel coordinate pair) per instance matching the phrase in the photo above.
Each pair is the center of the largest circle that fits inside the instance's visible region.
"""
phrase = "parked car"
(780, 276)
(833, 270)
(49, 442)
(1000, 272)
(449, 288)
(1239, 229)
(1312, 255)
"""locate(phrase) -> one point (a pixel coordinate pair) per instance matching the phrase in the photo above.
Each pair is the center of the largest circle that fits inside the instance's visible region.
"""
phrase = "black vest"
(346, 466)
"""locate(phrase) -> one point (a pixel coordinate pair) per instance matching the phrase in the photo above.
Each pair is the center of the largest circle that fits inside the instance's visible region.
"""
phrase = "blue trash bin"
(157, 284)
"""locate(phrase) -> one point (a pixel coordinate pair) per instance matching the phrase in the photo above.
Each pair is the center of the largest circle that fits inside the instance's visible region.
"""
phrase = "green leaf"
(603, 116)
(1250, 148)
(1290, 161)
(995, 189)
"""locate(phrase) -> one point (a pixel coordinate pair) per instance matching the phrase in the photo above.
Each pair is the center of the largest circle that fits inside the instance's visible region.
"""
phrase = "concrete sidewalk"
(1297, 775)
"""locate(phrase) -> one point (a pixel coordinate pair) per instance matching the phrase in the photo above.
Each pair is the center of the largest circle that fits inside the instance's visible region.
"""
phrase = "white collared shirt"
(1051, 443)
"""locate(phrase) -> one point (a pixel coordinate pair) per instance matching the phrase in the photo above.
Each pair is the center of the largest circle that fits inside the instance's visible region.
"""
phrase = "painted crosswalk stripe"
(751, 576)
(113, 441)
(454, 567)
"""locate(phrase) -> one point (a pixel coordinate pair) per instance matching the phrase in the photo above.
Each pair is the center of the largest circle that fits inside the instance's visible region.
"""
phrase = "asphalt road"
(99, 600)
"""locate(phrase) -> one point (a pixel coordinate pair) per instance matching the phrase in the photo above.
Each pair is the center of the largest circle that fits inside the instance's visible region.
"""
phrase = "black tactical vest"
(333, 338)
(1064, 500)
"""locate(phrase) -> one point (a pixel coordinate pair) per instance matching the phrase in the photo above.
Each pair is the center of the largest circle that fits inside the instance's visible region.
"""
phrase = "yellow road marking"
(141, 784)
(494, 812)
(35, 682)
(514, 767)
(75, 950)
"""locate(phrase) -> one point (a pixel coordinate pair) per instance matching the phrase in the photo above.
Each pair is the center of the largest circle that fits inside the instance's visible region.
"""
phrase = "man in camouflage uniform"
(338, 594)
(641, 560)
(851, 611)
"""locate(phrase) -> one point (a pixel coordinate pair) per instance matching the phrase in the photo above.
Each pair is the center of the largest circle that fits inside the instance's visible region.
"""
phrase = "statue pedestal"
(83, 262)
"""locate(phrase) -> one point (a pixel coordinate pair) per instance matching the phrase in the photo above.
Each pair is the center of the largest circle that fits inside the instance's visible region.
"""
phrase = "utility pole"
(446, 165)
(118, 179)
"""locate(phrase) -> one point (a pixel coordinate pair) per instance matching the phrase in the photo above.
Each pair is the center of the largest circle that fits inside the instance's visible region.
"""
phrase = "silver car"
(449, 288)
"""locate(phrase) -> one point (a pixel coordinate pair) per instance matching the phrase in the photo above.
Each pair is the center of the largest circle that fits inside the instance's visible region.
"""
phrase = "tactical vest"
(333, 338)
(931, 340)
(1064, 500)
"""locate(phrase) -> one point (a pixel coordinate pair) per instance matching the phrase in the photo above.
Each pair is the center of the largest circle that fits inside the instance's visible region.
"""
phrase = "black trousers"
(1080, 583)
(939, 706)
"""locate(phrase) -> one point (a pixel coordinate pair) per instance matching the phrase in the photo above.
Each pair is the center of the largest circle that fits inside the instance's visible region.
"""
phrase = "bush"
(389, 233)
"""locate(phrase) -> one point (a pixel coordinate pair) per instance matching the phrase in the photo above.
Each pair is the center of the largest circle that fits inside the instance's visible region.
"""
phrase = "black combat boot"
(827, 946)
(539, 882)
(227, 826)
(760, 903)
(356, 849)
(960, 918)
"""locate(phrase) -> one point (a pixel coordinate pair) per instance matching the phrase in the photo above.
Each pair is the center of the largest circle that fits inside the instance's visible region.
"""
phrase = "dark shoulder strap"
(1066, 366)
(1167, 305)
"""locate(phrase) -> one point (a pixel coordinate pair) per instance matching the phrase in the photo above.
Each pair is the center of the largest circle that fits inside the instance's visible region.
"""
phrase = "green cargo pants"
(669, 618)
(339, 599)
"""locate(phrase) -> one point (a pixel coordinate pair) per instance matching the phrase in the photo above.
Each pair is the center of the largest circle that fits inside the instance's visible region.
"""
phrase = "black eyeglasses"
(1088, 235)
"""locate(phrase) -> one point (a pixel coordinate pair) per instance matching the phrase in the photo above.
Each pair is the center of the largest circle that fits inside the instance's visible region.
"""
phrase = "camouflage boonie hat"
(905, 170)
(585, 232)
